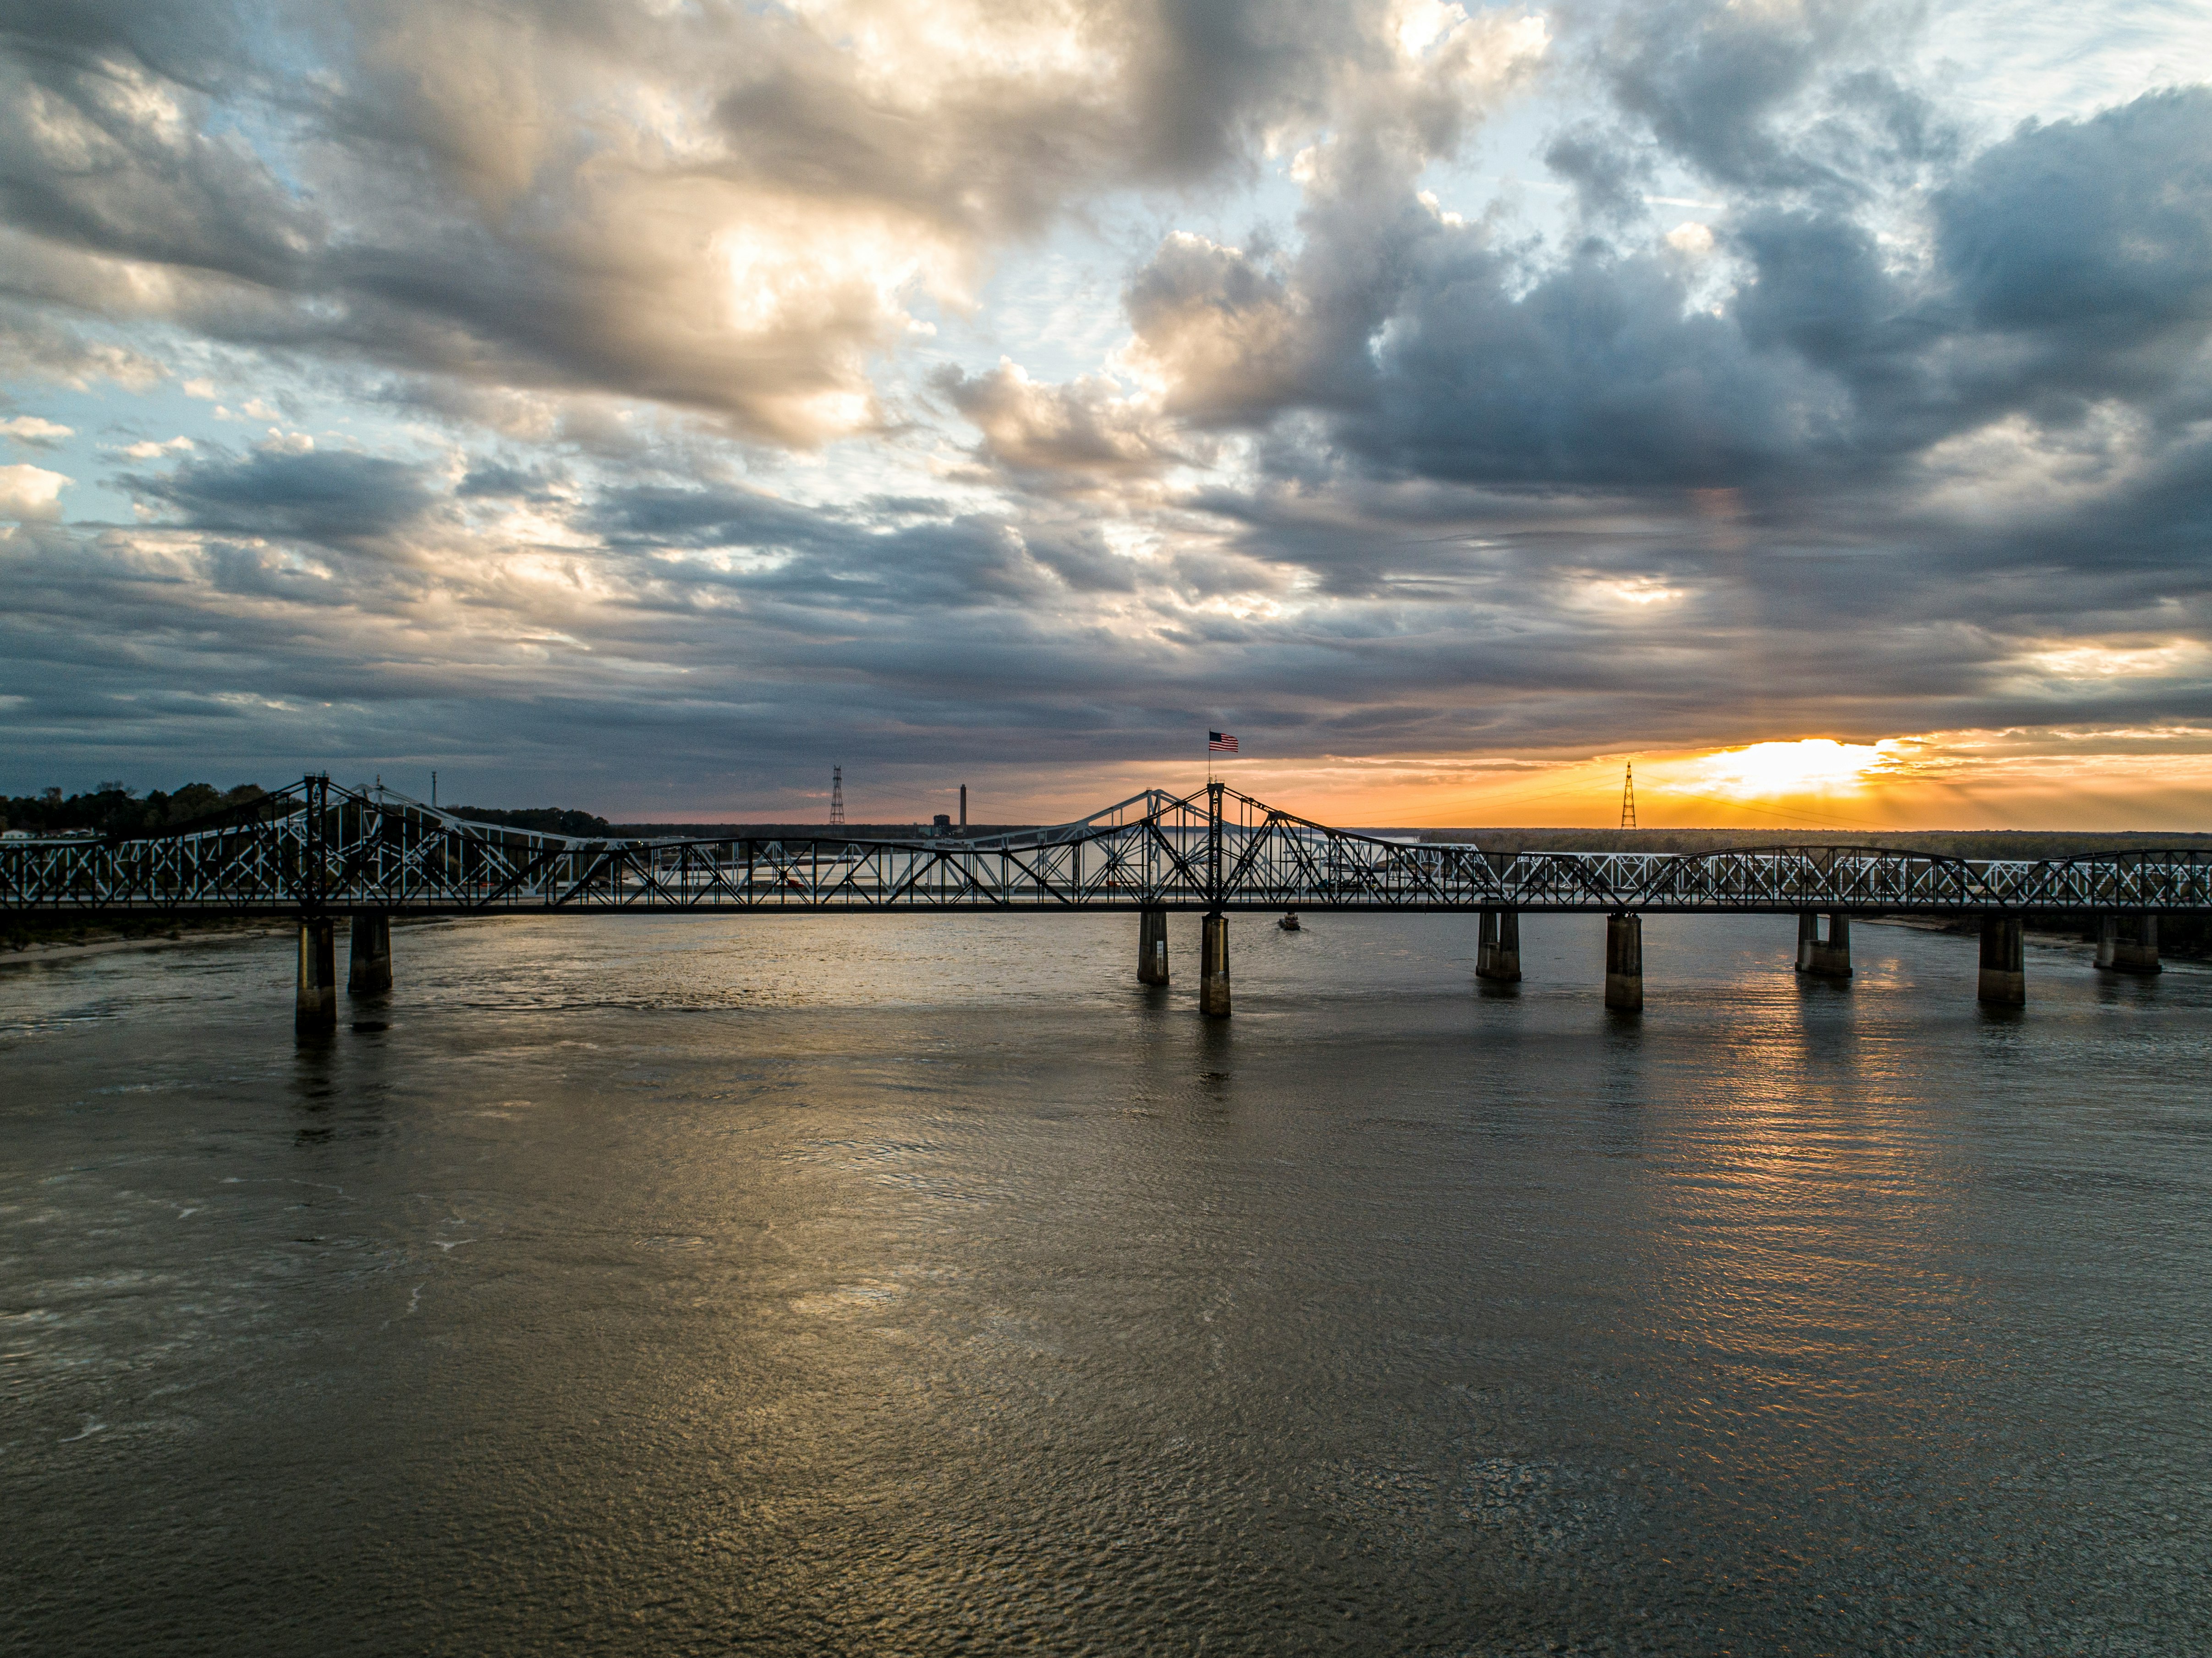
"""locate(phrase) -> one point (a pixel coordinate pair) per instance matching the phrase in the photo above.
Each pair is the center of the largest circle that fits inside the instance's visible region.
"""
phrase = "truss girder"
(319, 846)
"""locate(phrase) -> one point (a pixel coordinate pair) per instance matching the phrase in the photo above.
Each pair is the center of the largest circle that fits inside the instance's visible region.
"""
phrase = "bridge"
(319, 851)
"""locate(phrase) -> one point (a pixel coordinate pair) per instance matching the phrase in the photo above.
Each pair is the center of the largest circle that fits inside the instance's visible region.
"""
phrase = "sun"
(1812, 765)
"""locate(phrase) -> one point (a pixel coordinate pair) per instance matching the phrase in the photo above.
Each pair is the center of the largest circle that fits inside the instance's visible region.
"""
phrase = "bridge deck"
(318, 847)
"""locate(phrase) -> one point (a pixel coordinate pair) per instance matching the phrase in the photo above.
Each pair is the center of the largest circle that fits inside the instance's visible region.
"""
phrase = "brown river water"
(923, 1285)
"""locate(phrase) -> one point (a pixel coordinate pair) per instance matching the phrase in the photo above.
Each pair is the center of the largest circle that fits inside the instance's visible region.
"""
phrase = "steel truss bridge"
(318, 849)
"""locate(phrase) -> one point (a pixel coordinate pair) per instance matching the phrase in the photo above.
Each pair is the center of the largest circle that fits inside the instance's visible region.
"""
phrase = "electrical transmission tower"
(1628, 797)
(837, 797)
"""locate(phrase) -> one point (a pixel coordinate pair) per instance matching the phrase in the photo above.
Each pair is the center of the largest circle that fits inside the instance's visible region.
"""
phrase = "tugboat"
(1289, 921)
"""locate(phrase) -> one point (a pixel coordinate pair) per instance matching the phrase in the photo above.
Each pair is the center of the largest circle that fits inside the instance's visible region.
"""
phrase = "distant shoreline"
(61, 943)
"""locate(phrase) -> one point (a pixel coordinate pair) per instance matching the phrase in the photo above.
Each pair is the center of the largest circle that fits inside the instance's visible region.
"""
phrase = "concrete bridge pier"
(316, 1011)
(1624, 963)
(1214, 967)
(2004, 982)
(2128, 944)
(1152, 947)
(1824, 958)
(371, 953)
(1497, 947)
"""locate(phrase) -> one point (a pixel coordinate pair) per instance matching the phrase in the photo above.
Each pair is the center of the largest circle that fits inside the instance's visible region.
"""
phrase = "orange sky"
(2144, 779)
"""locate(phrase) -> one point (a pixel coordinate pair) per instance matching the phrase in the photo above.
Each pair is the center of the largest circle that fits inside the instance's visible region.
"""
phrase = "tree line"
(119, 809)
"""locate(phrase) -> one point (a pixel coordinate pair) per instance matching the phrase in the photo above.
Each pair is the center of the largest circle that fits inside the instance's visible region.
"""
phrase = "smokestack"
(964, 805)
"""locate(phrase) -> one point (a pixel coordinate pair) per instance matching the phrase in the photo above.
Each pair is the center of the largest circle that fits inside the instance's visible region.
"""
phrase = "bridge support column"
(1152, 947)
(1824, 958)
(2004, 982)
(1497, 947)
(1624, 963)
(2129, 943)
(1214, 967)
(371, 954)
(316, 1011)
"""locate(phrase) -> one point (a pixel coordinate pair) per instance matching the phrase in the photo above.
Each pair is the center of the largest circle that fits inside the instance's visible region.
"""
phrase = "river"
(923, 1285)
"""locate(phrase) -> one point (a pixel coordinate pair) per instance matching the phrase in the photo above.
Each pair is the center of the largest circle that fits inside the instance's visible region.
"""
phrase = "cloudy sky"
(644, 404)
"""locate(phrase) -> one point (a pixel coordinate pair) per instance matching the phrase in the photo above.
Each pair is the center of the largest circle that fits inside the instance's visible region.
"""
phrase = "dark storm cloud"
(495, 480)
(2095, 236)
(1767, 99)
(95, 157)
(2069, 263)
(335, 498)
(1609, 175)
(833, 562)
(657, 515)
(191, 43)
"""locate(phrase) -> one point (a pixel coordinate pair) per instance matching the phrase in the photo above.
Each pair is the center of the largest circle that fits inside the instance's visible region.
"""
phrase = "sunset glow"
(1955, 780)
(1767, 771)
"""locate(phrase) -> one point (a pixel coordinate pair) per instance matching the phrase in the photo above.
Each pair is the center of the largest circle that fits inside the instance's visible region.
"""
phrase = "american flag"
(1220, 743)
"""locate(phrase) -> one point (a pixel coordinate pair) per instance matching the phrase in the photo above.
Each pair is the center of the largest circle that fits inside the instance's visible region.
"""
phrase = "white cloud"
(31, 492)
(2093, 662)
(150, 450)
(29, 428)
